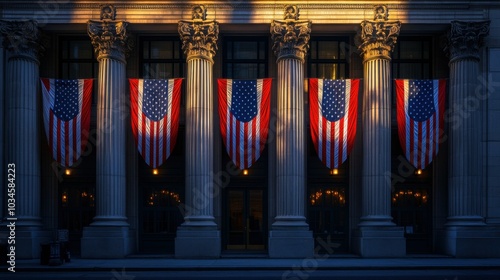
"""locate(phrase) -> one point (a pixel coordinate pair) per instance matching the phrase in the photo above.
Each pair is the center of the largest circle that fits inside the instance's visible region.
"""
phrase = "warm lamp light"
(155, 171)
(67, 172)
(245, 172)
(334, 171)
(418, 172)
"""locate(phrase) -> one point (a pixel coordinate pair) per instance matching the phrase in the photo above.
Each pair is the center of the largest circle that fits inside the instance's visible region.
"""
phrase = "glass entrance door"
(244, 219)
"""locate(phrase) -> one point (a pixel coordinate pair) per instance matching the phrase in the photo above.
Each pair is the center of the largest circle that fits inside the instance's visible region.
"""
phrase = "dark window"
(244, 200)
(161, 58)
(328, 58)
(245, 57)
(76, 188)
(161, 200)
(327, 205)
(77, 60)
(328, 214)
(412, 191)
(411, 59)
(161, 194)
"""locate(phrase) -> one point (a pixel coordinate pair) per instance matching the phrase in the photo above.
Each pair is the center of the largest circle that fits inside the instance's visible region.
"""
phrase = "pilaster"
(290, 236)
(377, 235)
(198, 236)
(108, 236)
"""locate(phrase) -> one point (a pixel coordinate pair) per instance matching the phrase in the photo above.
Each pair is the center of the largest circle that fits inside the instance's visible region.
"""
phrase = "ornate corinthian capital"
(21, 38)
(378, 36)
(110, 38)
(199, 36)
(291, 36)
(465, 39)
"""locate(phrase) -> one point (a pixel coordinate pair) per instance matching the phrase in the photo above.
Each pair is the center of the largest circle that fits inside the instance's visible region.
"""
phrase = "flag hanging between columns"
(333, 106)
(66, 116)
(420, 110)
(244, 110)
(155, 107)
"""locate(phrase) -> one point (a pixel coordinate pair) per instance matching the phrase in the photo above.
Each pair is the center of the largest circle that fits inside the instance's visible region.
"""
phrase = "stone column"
(466, 232)
(108, 235)
(378, 236)
(22, 134)
(290, 236)
(198, 236)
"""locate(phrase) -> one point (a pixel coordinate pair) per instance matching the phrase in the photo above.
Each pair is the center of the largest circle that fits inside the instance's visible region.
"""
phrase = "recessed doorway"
(245, 220)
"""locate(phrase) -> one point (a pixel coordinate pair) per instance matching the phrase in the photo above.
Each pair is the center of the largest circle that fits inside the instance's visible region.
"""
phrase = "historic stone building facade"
(288, 205)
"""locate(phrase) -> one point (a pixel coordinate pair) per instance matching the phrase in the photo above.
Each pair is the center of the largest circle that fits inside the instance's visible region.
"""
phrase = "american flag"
(66, 116)
(155, 107)
(244, 110)
(420, 111)
(333, 106)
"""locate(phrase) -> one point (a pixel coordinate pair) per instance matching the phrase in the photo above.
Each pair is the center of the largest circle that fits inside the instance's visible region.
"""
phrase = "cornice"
(255, 12)
(243, 4)
(148, 5)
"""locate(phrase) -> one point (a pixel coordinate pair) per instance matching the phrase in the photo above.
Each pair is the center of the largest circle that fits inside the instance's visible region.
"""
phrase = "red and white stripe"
(333, 141)
(420, 140)
(67, 139)
(244, 141)
(155, 139)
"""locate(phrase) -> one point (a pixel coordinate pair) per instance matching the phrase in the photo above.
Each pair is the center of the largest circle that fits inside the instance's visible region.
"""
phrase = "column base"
(470, 242)
(101, 242)
(380, 242)
(28, 241)
(197, 242)
(291, 244)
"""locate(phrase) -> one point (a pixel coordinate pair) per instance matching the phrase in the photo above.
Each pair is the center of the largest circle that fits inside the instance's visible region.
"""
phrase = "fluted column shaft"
(111, 43)
(291, 43)
(199, 143)
(290, 236)
(111, 176)
(198, 236)
(376, 120)
(378, 39)
(290, 144)
(465, 206)
(22, 112)
(199, 42)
